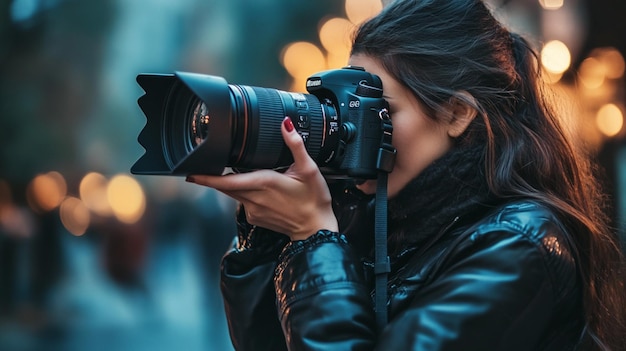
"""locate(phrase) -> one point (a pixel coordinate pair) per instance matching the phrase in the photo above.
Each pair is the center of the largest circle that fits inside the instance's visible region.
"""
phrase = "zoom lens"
(203, 125)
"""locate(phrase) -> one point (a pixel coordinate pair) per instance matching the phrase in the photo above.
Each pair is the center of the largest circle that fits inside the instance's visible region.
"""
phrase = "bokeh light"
(551, 4)
(555, 57)
(610, 120)
(591, 73)
(126, 198)
(93, 193)
(74, 215)
(302, 59)
(612, 60)
(17, 222)
(335, 34)
(46, 191)
(358, 11)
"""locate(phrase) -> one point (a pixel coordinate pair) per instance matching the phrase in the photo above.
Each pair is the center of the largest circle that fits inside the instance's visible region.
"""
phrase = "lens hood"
(167, 106)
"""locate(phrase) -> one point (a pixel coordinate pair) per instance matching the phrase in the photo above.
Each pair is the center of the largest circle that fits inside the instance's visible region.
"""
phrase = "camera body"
(201, 124)
(357, 99)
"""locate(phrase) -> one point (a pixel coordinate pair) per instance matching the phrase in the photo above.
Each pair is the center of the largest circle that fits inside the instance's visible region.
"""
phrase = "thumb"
(294, 142)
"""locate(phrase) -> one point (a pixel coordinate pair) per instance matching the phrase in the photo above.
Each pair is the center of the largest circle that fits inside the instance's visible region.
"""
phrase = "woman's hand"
(296, 203)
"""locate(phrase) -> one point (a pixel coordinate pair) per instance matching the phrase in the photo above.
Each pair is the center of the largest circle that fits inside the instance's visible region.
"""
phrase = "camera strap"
(382, 266)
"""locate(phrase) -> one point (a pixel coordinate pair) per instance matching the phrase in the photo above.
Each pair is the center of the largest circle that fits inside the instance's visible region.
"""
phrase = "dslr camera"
(201, 124)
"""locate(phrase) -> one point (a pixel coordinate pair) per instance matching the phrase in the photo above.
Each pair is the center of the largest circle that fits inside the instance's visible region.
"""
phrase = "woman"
(496, 234)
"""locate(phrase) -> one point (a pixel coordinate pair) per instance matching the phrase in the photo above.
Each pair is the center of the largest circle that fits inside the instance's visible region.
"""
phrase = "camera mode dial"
(366, 90)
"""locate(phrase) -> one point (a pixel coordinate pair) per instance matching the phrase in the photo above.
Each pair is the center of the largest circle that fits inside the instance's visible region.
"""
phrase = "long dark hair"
(442, 48)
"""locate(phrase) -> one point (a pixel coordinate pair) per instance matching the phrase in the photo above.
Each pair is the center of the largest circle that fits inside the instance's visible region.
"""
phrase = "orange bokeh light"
(126, 198)
(93, 193)
(74, 215)
(46, 191)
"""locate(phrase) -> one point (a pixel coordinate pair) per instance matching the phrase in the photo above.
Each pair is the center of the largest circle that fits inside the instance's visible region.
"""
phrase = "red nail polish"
(288, 124)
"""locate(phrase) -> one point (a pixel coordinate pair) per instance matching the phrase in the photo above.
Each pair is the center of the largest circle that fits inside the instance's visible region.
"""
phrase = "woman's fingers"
(233, 182)
(294, 142)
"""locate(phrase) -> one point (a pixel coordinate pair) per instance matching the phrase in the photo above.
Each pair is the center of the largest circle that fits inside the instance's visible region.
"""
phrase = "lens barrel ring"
(316, 120)
(269, 138)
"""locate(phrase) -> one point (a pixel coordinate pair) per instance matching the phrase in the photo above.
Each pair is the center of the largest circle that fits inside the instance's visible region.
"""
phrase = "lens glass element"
(199, 123)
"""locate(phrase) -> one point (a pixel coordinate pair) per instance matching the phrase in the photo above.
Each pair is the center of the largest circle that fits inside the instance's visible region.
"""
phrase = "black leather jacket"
(507, 281)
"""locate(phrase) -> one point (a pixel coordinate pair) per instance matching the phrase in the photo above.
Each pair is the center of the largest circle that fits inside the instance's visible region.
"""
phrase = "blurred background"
(94, 258)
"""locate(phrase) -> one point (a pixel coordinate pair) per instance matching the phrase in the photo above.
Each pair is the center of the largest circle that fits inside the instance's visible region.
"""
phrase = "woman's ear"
(461, 113)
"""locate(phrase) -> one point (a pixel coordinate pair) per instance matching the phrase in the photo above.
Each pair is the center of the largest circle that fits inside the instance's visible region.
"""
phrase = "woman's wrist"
(320, 237)
(319, 220)
(330, 226)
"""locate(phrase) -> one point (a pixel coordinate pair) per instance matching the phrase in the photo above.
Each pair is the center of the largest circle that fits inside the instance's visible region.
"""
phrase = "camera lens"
(203, 124)
(199, 123)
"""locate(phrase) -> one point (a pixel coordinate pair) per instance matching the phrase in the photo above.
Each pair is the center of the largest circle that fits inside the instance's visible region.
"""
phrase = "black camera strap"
(382, 266)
